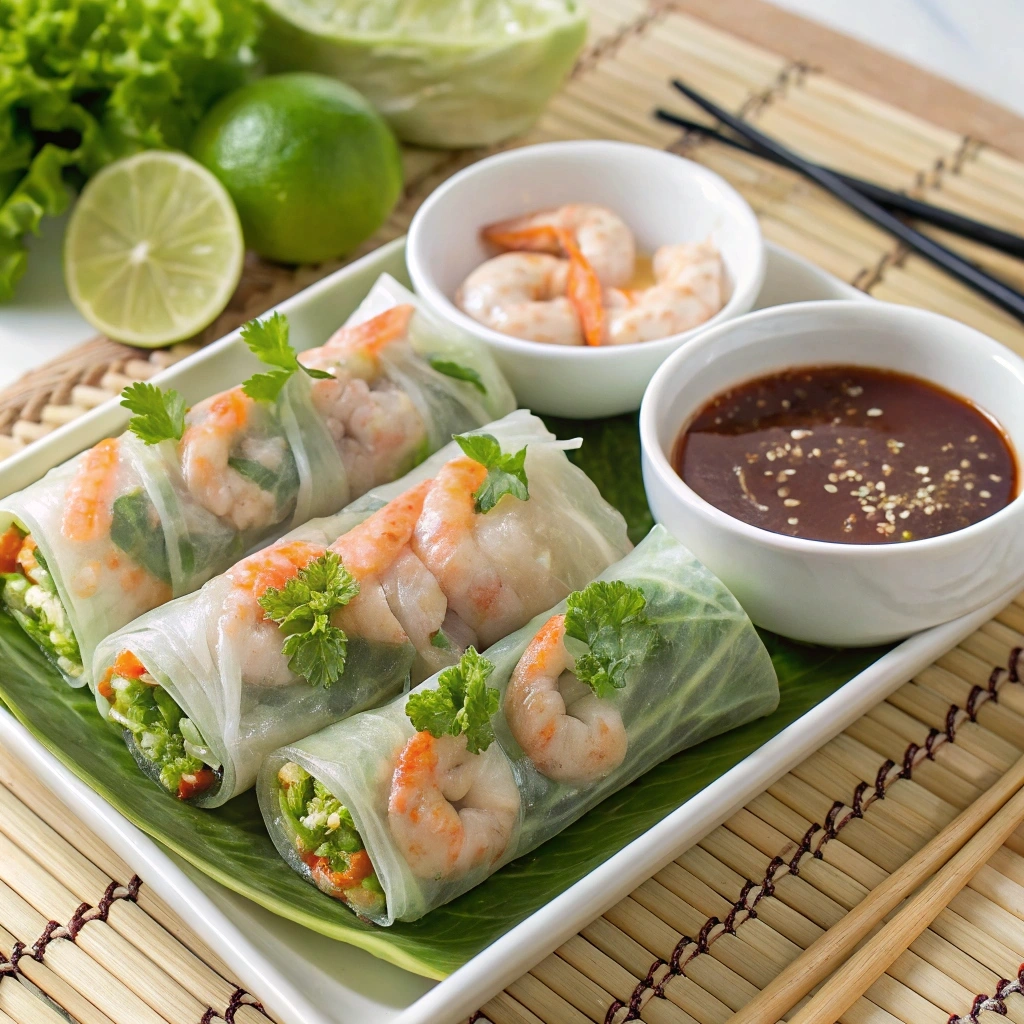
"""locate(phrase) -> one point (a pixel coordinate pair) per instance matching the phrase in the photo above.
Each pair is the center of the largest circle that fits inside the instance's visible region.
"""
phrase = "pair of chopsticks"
(950, 860)
(869, 203)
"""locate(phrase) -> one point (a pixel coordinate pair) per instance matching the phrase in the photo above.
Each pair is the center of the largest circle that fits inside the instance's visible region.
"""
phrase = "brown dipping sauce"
(847, 454)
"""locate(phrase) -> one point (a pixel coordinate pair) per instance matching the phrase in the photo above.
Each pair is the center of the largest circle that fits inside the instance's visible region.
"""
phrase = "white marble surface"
(979, 44)
(976, 43)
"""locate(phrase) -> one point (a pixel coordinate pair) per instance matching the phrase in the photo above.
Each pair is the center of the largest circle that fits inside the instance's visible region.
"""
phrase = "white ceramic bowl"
(662, 197)
(843, 594)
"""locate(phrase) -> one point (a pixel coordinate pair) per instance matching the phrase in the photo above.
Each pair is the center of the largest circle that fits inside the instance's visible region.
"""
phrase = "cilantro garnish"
(268, 341)
(610, 619)
(159, 415)
(458, 372)
(506, 474)
(462, 703)
(315, 649)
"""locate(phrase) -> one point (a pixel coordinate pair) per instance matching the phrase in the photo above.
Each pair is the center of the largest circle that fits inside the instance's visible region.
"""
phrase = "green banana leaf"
(230, 845)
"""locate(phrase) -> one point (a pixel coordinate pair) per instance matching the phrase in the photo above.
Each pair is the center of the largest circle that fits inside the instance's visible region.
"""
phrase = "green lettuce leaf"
(83, 82)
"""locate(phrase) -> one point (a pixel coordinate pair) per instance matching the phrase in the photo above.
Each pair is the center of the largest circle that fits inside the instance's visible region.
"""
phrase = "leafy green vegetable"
(458, 372)
(85, 82)
(506, 474)
(151, 716)
(315, 649)
(268, 341)
(136, 529)
(231, 845)
(462, 703)
(440, 641)
(159, 415)
(609, 618)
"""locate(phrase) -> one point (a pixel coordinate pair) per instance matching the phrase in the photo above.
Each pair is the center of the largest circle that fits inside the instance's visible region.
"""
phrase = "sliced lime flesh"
(153, 250)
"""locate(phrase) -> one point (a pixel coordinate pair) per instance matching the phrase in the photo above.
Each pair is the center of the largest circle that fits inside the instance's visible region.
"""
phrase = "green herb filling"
(162, 734)
(30, 595)
(328, 842)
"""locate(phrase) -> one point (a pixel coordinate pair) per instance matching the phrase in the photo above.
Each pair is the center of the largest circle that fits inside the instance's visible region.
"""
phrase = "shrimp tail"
(524, 234)
(584, 291)
(375, 334)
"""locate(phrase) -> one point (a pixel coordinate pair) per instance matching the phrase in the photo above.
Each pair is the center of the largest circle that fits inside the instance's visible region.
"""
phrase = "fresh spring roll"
(156, 512)
(343, 612)
(398, 810)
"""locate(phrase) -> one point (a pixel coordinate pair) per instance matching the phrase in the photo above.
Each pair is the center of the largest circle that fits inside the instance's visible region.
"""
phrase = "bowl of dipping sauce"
(849, 469)
(659, 199)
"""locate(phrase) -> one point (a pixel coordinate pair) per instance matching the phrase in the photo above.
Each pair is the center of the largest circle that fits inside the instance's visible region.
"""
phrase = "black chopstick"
(995, 290)
(966, 227)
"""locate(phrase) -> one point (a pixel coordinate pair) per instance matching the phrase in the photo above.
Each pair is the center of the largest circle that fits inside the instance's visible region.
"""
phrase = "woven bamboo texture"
(700, 938)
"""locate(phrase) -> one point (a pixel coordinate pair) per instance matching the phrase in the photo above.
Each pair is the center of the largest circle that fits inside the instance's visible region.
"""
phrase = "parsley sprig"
(610, 618)
(268, 341)
(159, 415)
(506, 474)
(315, 649)
(463, 703)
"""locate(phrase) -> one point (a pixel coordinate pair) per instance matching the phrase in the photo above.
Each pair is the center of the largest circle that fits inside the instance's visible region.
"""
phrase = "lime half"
(153, 249)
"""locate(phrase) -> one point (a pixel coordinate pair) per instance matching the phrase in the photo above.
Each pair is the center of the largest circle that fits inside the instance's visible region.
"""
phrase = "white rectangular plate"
(305, 978)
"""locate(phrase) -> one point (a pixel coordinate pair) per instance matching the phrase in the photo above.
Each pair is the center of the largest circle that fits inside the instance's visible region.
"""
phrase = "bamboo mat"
(697, 940)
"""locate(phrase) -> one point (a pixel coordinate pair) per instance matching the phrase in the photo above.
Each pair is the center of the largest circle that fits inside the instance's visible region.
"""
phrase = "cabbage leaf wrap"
(126, 526)
(222, 662)
(707, 673)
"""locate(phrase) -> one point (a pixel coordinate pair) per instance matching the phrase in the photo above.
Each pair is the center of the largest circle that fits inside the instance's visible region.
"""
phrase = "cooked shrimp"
(216, 426)
(368, 339)
(603, 238)
(261, 660)
(420, 607)
(451, 811)
(524, 295)
(569, 733)
(87, 512)
(445, 541)
(368, 551)
(375, 425)
(689, 289)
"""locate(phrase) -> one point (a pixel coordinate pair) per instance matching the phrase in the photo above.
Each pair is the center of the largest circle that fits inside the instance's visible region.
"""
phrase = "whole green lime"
(313, 170)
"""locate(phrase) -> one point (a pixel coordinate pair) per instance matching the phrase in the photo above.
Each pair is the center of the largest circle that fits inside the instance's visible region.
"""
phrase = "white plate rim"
(454, 998)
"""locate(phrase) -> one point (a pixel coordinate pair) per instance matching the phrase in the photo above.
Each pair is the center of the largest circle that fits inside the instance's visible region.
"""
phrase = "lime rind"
(153, 250)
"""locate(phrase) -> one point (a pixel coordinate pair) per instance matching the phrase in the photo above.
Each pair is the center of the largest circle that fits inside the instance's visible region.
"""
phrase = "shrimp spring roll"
(342, 613)
(398, 810)
(154, 513)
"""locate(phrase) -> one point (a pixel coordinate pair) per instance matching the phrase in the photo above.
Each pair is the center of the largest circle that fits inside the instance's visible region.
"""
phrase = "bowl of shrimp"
(584, 265)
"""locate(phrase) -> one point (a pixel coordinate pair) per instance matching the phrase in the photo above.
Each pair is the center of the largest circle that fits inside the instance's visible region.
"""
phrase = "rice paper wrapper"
(161, 540)
(225, 668)
(710, 674)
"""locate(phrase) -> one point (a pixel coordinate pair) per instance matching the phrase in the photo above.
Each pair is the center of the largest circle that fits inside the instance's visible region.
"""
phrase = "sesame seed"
(965, 463)
(921, 470)
(905, 514)
(791, 502)
(792, 520)
(783, 492)
(984, 494)
(874, 412)
(995, 479)
(798, 435)
(831, 488)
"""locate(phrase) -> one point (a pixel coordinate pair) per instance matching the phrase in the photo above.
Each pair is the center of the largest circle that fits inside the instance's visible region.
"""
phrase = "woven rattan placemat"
(698, 939)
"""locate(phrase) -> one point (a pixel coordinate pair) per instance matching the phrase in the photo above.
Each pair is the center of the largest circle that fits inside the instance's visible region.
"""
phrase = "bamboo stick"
(816, 963)
(503, 1009)
(24, 1007)
(542, 1001)
(953, 756)
(870, 962)
(63, 828)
